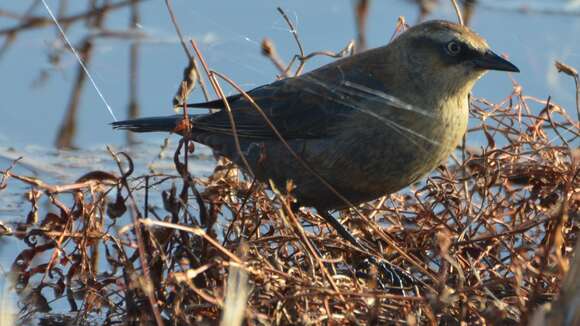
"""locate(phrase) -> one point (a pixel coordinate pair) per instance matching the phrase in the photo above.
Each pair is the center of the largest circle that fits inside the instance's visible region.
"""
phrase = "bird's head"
(449, 54)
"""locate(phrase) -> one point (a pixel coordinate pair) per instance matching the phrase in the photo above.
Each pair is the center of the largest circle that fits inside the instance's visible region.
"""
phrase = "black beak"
(492, 61)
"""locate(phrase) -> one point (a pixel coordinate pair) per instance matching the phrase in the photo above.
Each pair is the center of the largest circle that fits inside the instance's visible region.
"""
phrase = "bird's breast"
(393, 148)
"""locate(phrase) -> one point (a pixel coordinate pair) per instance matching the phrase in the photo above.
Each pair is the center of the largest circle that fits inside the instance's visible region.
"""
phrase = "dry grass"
(489, 237)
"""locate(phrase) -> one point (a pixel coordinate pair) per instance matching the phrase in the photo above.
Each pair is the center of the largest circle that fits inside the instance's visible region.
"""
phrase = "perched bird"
(369, 124)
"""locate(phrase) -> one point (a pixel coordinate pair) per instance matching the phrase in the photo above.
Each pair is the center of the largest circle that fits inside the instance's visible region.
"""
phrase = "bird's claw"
(388, 276)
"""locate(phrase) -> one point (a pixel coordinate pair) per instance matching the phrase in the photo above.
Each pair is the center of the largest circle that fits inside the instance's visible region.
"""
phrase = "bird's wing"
(310, 106)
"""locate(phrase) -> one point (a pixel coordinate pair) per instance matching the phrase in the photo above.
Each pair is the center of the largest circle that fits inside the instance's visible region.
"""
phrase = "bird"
(366, 125)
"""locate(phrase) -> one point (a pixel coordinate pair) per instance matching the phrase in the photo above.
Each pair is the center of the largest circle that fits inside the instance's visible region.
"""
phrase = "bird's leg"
(384, 267)
(344, 233)
(400, 278)
(296, 209)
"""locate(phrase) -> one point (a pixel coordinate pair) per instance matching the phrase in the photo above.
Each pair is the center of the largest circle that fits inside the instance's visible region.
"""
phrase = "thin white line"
(79, 59)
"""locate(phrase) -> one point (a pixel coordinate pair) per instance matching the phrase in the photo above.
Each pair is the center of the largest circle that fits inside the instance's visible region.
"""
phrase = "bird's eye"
(453, 48)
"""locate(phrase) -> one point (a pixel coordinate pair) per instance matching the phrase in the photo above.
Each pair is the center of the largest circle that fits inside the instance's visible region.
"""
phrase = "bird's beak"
(491, 61)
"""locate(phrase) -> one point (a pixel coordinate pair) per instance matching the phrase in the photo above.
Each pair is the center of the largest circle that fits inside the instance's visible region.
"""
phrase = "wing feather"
(310, 106)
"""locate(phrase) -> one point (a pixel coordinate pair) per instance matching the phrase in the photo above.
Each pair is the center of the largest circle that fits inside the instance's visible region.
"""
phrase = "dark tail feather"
(216, 104)
(167, 124)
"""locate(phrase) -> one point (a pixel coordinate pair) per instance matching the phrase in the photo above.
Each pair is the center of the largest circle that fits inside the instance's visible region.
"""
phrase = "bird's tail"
(166, 123)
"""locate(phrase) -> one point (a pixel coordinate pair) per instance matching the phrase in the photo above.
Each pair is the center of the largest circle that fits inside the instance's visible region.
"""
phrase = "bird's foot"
(388, 276)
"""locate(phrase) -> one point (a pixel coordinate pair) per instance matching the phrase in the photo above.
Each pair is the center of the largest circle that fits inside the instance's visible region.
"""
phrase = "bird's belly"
(361, 165)
(379, 160)
(368, 173)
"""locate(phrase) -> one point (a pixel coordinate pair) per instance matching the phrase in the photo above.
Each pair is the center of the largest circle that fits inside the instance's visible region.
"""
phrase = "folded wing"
(310, 106)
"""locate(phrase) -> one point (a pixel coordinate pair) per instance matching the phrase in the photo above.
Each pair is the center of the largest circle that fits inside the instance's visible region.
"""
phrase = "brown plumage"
(369, 124)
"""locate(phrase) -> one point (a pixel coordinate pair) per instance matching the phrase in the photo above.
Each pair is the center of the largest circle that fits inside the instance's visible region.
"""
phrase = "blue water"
(229, 34)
